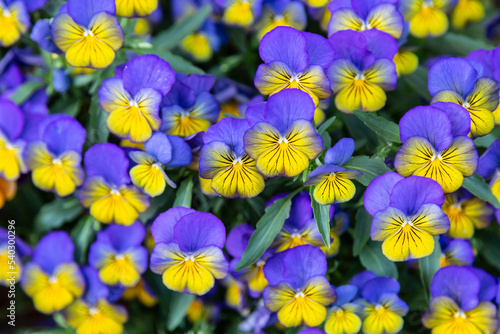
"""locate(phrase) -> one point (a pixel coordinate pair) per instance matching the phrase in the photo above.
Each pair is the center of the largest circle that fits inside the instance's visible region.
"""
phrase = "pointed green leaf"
(479, 188)
(24, 91)
(429, 265)
(363, 223)
(370, 168)
(178, 306)
(322, 217)
(54, 214)
(323, 127)
(373, 259)
(184, 194)
(381, 126)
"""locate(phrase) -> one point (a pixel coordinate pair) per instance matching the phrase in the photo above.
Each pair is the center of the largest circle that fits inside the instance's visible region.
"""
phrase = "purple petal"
(376, 287)
(324, 169)
(229, 131)
(11, 119)
(429, 123)
(300, 213)
(458, 283)
(42, 34)
(123, 237)
(274, 269)
(181, 95)
(162, 229)
(352, 45)
(302, 263)
(109, 162)
(198, 230)
(485, 58)
(378, 192)
(381, 44)
(285, 44)
(159, 147)
(363, 7)
(410, 194)
(311, 331)
(237, 240)
(345, 293)
(488, 283)
(287, 106)
(459, 117)
(489, 160)
(496, 64)
(453, 74)
(199, 82)
(95, 288)
(320, 51)
(340, 153)
(148, 71)
(62, 133)
(359, 280)
(82, 11)
(181, 152)
(255, 113)
(459, 251)
(52, 250)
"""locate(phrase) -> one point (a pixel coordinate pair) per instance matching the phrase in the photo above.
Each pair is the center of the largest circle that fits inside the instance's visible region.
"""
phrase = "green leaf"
(54, 214)
(178, 306)
(82, 234)
(267, 229)
(485, 141)
(370, 168)
(23, 92)
(479, 188)
(323, 127)
(184, 194)
(322, 217)
(362, 230)
(170, 38)
(371, 258)
(457, 44)
(490, 247)
(97, 131)
(418, 81)
(177, 63)
(429, 265)
(383, 127)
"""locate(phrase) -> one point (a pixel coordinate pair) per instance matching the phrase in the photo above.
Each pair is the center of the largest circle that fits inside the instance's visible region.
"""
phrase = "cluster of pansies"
(251, 166)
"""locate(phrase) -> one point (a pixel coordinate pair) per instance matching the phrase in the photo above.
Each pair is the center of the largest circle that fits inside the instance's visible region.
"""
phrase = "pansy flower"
(282, 138)
(135, 8)
(224, 161)
(259, 319)
(405, 59)
(465, 12)
(298, 289)
(188, 251)
(287, 13)
(240, 13)
(294, 59)
(461, 302)
(189, 107)
(14, 20)
(455, 252)
(234, 97)
(462, 81)
(55, 158)
(360, 15)
(362, 70)
(52, 278)
(161, 151)
(106, 191)
(406, 214)
(11, 265)
(11, 145)
(118, 256)
(93, 313)
(466, 214)
(435, 145)
(235, 294)
(132, 98)
(382, 310)
(427, 18)
(237, 241)
(300, 228)
(88, 32)
(343, 316)
(489, 167)
(141, 292)
(203, 43)
(333, 183)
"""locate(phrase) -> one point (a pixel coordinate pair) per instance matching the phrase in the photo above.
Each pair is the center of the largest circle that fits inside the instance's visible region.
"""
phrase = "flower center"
(282, 140)
(93, 310)
(53, 280)
(119, 257)
(460, 314)
(134, 104)
(299, 294)
(466, 105)
(365, 26)
(189, 258)
(87, 32)
(57, 161)
(115, 192)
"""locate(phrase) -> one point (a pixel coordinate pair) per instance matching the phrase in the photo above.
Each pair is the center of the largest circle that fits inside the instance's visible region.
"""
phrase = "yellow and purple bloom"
(223, 160)
(363, 69)
(294, 59)
(466, 214)
(52, 278)
(463, 82)
(161, 151)
(300, 228)
(202, 44)
(382, 310)
(132, 98)
(107, 190)
(455, 252)
(362, 15)
(287, 13)
(12, 250)
(240, 13)
(436, 145)
(189, 107)
(298, 289)
(14, 20)
(461, 302)
(256, 321)
(142, 292)
(406, 214)
(88, 32)
(188, 250)
(427, 18)
(135, 8)
(405, 60)
(465, 12)
(343, 317)
(93, 313)
(333, 183)
(118, 256)
(55, 157)
(489, 167)
(11, 145)
(282, 138)
(253, 276)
